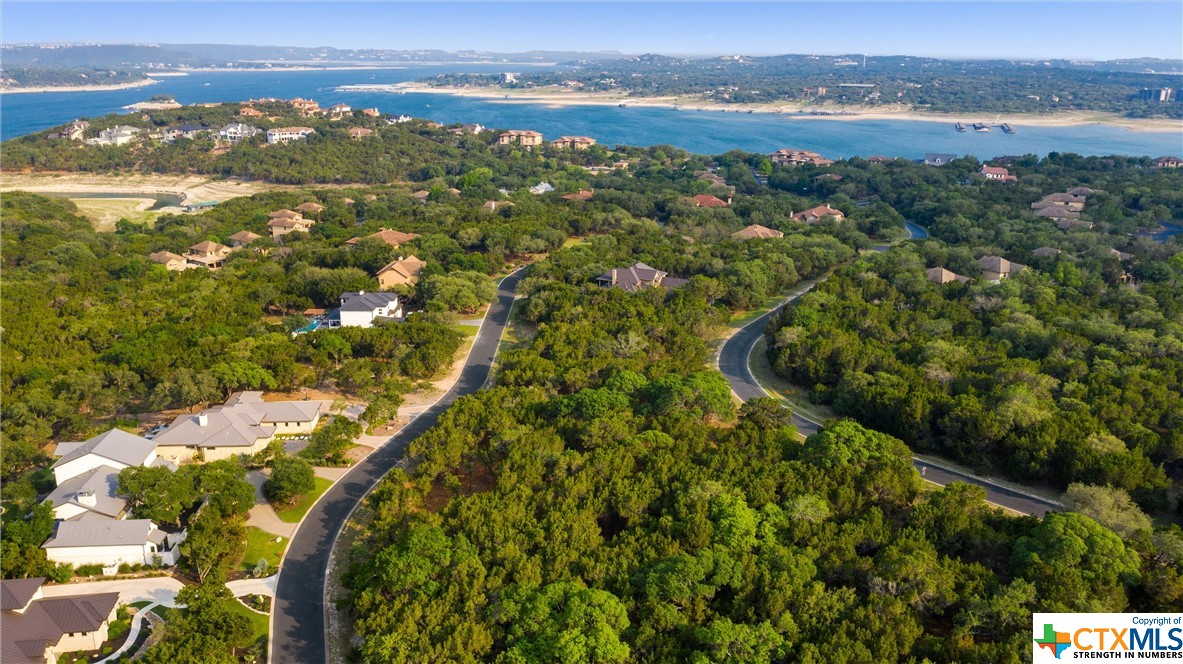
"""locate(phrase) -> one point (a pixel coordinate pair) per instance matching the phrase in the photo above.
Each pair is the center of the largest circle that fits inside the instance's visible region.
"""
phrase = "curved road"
(297, 617)
(733, 361)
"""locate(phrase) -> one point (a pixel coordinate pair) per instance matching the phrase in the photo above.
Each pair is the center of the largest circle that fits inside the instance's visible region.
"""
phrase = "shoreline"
(82, 88)
(558, 98)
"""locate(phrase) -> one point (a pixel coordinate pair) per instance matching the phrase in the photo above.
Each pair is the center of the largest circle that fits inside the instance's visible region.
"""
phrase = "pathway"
(262, 515)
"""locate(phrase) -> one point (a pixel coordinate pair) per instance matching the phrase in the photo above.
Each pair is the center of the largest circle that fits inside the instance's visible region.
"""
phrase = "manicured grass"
(260, 624)
(140, 604)
(260, 545)
(467, 330)
(295, 513)
(162, 611)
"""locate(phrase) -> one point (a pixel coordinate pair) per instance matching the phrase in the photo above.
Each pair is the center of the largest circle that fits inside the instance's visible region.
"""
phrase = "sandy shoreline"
(558, 98)
(188, 187)
(82, 88)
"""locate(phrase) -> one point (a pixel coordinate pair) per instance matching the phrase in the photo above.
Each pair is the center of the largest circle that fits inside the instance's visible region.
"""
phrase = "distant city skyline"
(1007, 30)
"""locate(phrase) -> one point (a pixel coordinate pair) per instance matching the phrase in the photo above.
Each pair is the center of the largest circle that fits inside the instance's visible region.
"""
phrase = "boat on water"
(1007, 128)
(978, 126)
(960, 127)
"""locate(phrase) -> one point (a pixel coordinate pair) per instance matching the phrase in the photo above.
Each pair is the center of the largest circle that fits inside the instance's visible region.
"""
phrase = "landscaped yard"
(466, 330)
(297, 511)
(261, 544)
(259, 622)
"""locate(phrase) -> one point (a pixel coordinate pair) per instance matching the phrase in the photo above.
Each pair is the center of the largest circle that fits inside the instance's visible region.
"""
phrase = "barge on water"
(1007, 128)
(960, 127)
(978, 126)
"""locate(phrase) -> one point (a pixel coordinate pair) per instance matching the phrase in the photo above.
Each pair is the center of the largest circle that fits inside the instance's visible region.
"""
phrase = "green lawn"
(260, 624)
(140, 604)
(259, 545)
(296, 512)
(467, 330)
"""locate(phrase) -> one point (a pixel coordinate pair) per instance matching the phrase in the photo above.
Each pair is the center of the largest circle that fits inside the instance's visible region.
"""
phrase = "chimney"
(361, 292)
(86, 497)
(202, 420)
(728, 200)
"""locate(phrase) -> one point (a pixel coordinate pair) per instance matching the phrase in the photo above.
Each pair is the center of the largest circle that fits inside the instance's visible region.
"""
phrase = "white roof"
(135, 532)
(102, 482)
(116, 445)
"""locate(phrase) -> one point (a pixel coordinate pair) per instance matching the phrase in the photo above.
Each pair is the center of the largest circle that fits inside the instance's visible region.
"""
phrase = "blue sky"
(1081, 30)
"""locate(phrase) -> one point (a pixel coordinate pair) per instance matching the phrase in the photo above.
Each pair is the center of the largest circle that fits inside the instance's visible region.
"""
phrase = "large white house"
(87, 474)
(115, 448)
(236, 131)
(120, 135)
(134, 541)
(286, 134)
(242, 425)
(361, 309)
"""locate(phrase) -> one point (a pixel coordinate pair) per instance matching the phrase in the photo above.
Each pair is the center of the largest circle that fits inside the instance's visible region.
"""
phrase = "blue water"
(1168, 231)
(704, 132)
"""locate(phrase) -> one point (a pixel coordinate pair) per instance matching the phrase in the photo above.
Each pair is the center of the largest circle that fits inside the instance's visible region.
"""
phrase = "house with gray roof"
(132, 541)
(638, 277)
(90, 496)
(997, 268)
(242, 425)
(362, 309)
(938, 158)
(38, 630)
(115, 448)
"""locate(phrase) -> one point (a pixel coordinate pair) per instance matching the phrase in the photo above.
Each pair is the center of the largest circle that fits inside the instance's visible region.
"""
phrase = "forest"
(33, 77)
(607, 502)
(943, 86)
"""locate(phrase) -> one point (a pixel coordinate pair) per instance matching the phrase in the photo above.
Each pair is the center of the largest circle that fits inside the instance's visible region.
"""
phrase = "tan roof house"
(248, 112)
(786, 157)
(581, 195)
(172, 262)
(35, 629)
(1167, 162)
(393, 238)
(284, 214)
(757, 232)
(310, 208)
(1074, 225)
(939, 275)
(402, 272)
(242, 239)
(997, 268)
(281, 226)
(574, 142)
(422, 195)
(1057, 212)
(358, 133)
(521, 137)
(1044, 252)
(242, 425)
(209, 255)
(816, 214)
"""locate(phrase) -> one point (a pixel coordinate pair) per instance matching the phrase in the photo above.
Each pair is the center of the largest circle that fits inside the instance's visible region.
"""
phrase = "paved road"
(298, 622)
(733, 362)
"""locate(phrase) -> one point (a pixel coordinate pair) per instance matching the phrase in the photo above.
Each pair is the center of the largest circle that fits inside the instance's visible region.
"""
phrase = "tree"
(224, 482)
(563, 622)
(1110, 507)
(462, 292)
(290, 478)
(159, 493)
(213, 544)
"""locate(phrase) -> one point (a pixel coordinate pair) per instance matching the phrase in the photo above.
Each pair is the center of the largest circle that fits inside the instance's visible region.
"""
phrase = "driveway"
(262, 515)
(160, 589)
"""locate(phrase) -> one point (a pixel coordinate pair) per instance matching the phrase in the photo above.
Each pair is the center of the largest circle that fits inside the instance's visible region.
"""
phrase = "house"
(1120, 255)
(1074, 225)
(581, 195)
(638, 277)
(305, 106)
(287, 134)
(248, 112)
(1057, 212)
(757, 232)
(714, 179)
(541, 188)
(120, 135)
(310, 208)
(236, 131)
(574, 142)
(89, 496)
(1081, 191)
(997, 268)
(1166, 162)
(393, 238)
(879, 159)
(172, 262)
(938, 158)
(526, 138)
(209, 255)
(422, 195)
(75, 131)
(340, 109)
(787, 157)
(1044, 252)
(816, 214)
(939, 275)
(358, 133)
(242, 425)
(189, 131)
(402, 272)
(34, 629)
(708, 201)
(361, 309)
(1070, 201)
(370, 112)
(399, 119)
(109, 543)
(242, 239)
(997, 173)
(492, 206)
(116, 448)
(282, 222)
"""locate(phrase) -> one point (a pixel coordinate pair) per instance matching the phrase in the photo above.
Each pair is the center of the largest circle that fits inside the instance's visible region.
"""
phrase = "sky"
(1002, 29)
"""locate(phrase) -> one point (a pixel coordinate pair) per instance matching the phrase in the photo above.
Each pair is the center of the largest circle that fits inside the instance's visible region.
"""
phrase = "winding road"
(734, 361)
(298, 617)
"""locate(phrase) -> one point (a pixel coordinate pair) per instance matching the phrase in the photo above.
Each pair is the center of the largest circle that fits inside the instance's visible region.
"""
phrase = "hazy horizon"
(969, 31)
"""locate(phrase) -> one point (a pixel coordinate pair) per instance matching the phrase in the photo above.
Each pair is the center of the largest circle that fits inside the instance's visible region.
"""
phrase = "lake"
(704, 132)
